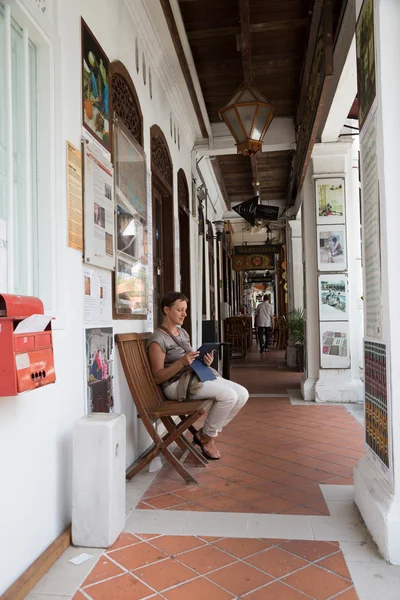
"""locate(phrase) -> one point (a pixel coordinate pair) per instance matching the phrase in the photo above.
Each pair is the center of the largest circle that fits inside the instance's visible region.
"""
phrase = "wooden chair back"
(145, 392)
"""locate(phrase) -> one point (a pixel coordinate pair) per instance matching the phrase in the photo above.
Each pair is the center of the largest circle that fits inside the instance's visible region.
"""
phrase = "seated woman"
(171, 355)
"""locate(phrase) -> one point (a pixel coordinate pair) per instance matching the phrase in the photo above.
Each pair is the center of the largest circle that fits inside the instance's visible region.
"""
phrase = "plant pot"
(300, 358)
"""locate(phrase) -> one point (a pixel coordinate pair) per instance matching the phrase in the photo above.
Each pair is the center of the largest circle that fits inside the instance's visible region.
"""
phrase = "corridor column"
(377, 475)
(295, 275)
(331, 254)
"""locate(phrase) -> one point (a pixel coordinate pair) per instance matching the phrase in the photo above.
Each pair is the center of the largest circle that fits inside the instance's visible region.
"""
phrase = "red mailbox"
(27, 360)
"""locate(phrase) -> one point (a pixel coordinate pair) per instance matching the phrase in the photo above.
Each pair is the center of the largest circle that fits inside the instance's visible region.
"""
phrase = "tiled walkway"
(275, 455)
(197, 568)
(278, 506)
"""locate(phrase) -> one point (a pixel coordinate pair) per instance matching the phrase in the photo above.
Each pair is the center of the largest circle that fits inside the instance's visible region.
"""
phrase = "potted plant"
(296, 331)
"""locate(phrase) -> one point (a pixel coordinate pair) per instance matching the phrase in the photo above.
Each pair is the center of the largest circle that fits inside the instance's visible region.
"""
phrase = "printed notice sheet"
(97, 296)
(74, 193)
(99, 209)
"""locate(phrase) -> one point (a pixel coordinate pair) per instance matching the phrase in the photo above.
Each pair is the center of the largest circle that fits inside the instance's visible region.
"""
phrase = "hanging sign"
(253, 262)
(262, 249)
(251, 210)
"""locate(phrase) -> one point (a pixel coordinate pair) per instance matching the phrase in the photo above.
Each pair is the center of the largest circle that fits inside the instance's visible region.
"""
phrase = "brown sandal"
(198, 442)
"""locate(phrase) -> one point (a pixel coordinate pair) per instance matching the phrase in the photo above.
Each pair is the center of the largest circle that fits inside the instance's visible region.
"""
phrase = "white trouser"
(229, 397)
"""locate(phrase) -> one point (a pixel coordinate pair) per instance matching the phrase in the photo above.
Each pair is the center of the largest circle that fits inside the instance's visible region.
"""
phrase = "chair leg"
(182, 442)
(178, 466)
(144, 459)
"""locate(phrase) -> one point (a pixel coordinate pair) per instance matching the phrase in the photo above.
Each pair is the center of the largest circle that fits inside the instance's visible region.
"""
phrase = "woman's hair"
(170, 299)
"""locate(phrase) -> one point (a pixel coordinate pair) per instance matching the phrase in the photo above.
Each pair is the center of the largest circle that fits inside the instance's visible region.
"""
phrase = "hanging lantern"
(248, 116)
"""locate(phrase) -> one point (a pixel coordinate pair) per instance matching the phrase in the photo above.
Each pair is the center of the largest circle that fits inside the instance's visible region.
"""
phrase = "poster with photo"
(330, 195)
(332, 255)
(95, 88)
(97, 296)
(99, 209)
(99, 369)
(131, 230)
(333, 299)
(334, 345)
(366, 77)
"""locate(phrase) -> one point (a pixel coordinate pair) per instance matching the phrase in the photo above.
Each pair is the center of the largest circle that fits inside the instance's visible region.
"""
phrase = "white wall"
(35, 427)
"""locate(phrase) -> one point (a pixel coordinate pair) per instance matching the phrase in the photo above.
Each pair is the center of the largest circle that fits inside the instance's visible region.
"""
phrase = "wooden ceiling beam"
(245, 39)
(290, 25)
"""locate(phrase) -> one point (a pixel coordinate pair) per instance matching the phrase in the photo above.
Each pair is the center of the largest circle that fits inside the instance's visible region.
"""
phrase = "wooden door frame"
(162, 180)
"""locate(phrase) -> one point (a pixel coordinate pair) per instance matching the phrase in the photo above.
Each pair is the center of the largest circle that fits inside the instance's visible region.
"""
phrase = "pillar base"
(379, 508)
(308, 388)
(337, 385)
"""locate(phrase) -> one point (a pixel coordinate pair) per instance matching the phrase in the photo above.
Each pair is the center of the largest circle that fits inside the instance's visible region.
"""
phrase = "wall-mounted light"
(219, 229)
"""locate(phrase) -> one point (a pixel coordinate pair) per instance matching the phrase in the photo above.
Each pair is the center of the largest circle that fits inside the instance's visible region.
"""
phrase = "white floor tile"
(156, 521)
(363, 552)
(336, 529)
(64, 578)
(295, 527)
(375, 582)
(219, 524)
(340, 493)
(344, 510)
(32, 596)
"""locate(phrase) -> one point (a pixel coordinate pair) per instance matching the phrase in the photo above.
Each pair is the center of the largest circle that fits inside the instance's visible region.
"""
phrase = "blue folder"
(203, 372)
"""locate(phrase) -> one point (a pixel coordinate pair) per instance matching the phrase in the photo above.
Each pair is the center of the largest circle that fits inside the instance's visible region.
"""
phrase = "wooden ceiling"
(271, 169)
(278, 36)
(277, 39)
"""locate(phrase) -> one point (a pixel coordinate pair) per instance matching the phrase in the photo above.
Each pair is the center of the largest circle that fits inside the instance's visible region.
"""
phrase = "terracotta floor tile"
(79, 596)
(348, 595)
(124, 587)
(165, 574)
(301, 496)
(270, 504)
(277, 562)
(302, 510)
(209, 538)
(124, 539)
(103, 569)
(319, 505)
(154, 490)
(271, 488)
(310, 550)
(242, 547)
(246, 495)
(276, 591)
(195, 492)
(239, 578)
(198, 589)
(175, 544)
(206, 559)
(148, 536)
(222, 503)
(317, 583)
(164, 501)
(144, 506)
(137, 556)
(336, 564)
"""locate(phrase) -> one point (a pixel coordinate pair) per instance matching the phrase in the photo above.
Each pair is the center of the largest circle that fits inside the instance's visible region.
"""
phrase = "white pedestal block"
(98, 488)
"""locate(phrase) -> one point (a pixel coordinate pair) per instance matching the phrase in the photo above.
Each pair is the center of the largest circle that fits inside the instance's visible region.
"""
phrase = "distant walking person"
(264, 321)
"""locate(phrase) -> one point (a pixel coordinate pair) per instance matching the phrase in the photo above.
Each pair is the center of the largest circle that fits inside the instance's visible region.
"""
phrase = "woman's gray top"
(171, 349)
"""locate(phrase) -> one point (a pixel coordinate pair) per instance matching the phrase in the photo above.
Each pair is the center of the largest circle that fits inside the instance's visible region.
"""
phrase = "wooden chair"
(152, 405)
(235, 334)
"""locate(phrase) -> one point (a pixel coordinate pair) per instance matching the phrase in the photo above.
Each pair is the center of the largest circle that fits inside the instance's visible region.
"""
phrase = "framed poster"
(99, 368)
(131, 277)
(365, 43)
(377, 407)
(330, 201)
(334, 345)
(95, 88)
(333, 299)
(332, 254)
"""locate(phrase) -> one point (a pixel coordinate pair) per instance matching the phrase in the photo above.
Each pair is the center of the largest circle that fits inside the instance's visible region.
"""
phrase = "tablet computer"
(206, 348)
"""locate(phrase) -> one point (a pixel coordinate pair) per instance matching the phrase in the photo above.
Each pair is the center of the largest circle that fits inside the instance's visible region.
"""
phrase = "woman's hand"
(188, 358)
(208, 358)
